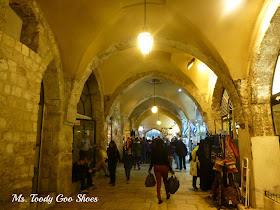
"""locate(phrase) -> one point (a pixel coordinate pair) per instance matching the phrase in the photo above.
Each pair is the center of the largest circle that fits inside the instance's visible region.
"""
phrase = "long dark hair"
(113, 145)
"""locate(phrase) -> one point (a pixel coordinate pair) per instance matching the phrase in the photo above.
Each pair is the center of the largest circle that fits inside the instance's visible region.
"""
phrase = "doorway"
(35, 180)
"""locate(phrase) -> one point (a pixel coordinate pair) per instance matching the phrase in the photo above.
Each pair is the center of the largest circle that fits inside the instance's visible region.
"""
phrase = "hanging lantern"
(158, 122)
(145, 41)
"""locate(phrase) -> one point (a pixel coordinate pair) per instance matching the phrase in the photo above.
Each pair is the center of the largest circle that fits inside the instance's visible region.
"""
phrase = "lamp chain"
(145, 16)
(154, 92)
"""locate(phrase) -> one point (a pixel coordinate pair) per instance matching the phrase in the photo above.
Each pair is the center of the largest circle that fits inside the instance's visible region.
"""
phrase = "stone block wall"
(20, 80)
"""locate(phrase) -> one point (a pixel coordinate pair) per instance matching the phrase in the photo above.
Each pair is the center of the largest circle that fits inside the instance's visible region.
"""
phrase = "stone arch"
(157, 96)
(220, 69)
(162, 110)
(97, 109)
(52, 119)
(261, 76)
(216, 104)
(217, 96)
(153, 129)
(76, 88)
(200, 101)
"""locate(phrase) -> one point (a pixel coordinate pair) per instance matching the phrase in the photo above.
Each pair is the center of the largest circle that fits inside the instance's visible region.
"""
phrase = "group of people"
(140, 148)
(160, 154)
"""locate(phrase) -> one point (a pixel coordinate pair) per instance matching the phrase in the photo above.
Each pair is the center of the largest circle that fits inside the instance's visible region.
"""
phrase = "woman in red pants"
(159, 160)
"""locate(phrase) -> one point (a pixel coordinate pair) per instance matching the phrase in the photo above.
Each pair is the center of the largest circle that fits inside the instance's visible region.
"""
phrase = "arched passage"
(216, 68)
(153, 133)
(162, 110)
(197, 98)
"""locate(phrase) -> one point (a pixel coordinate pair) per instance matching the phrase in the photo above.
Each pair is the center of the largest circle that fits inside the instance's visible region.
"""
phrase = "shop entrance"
(84, 128)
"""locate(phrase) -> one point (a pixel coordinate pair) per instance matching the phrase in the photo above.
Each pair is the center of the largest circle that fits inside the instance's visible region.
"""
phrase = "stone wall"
(21, 73)
(20, 81)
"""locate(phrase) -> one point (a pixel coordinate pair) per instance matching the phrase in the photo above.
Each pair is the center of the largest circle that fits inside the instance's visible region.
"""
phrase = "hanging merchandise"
(224, 190)
(207, 175)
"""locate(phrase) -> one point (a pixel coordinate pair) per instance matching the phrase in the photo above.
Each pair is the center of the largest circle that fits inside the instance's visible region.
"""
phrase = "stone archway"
(166, 112)
(260, 135)
(152, 130)
(141, 101)
(97, 109)
(219, 69)
(200, 101)
(261, 75)
(216, 104)
(51, 128)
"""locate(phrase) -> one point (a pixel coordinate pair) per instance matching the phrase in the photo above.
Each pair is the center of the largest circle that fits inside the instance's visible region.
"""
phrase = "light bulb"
(145, 41)
(158, 122)
(154, 109)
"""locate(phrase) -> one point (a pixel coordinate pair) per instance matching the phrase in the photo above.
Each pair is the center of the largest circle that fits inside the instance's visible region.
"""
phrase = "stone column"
(64, 160)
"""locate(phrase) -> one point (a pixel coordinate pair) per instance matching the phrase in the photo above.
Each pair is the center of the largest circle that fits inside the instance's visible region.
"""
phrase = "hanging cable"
(145, 16)
(154, 92)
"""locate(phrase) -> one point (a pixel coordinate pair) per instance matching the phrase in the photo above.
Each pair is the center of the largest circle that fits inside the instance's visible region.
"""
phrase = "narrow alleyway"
(136, 196)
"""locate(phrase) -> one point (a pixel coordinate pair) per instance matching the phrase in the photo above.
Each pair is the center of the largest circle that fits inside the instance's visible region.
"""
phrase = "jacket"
(160, 157)
(128, 160)
(136, 149)
(113, 155)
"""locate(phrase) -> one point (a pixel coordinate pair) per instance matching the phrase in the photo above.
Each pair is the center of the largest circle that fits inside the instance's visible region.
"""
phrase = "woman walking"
(161, 165)
(113, 158)
(127, 161)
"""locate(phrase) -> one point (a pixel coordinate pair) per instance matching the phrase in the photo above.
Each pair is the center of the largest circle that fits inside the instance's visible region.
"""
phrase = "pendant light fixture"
(145, 39)
(154, 108)
(158, 121)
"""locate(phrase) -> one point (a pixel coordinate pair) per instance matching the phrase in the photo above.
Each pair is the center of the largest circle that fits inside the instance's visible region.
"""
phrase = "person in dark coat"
(171, 150)
(113, 158)
(136, 152)
(148, 150)
(161, 164)
(143, 150)
(174, 142)
(181, 151)
(128, 162)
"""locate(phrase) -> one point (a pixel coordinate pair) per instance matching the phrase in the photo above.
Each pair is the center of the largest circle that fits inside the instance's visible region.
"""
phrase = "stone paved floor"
(136, 196)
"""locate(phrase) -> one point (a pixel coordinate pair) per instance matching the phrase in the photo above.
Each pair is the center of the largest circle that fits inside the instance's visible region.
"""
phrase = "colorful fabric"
(233, 147)
(229, 164)
(219, 163)
(229, 154)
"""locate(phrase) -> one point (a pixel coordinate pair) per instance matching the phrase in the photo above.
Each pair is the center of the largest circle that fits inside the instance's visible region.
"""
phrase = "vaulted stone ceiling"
(101, 36)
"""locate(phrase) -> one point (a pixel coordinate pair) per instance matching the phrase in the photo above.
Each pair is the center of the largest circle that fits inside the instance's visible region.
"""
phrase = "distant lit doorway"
(153, 133)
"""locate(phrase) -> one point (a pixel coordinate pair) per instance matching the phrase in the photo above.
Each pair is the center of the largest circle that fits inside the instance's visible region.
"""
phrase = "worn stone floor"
(136, 196)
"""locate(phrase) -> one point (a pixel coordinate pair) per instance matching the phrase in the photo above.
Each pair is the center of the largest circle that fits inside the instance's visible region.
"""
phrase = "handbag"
(150, 181)
(173, 184)
(193, 168)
